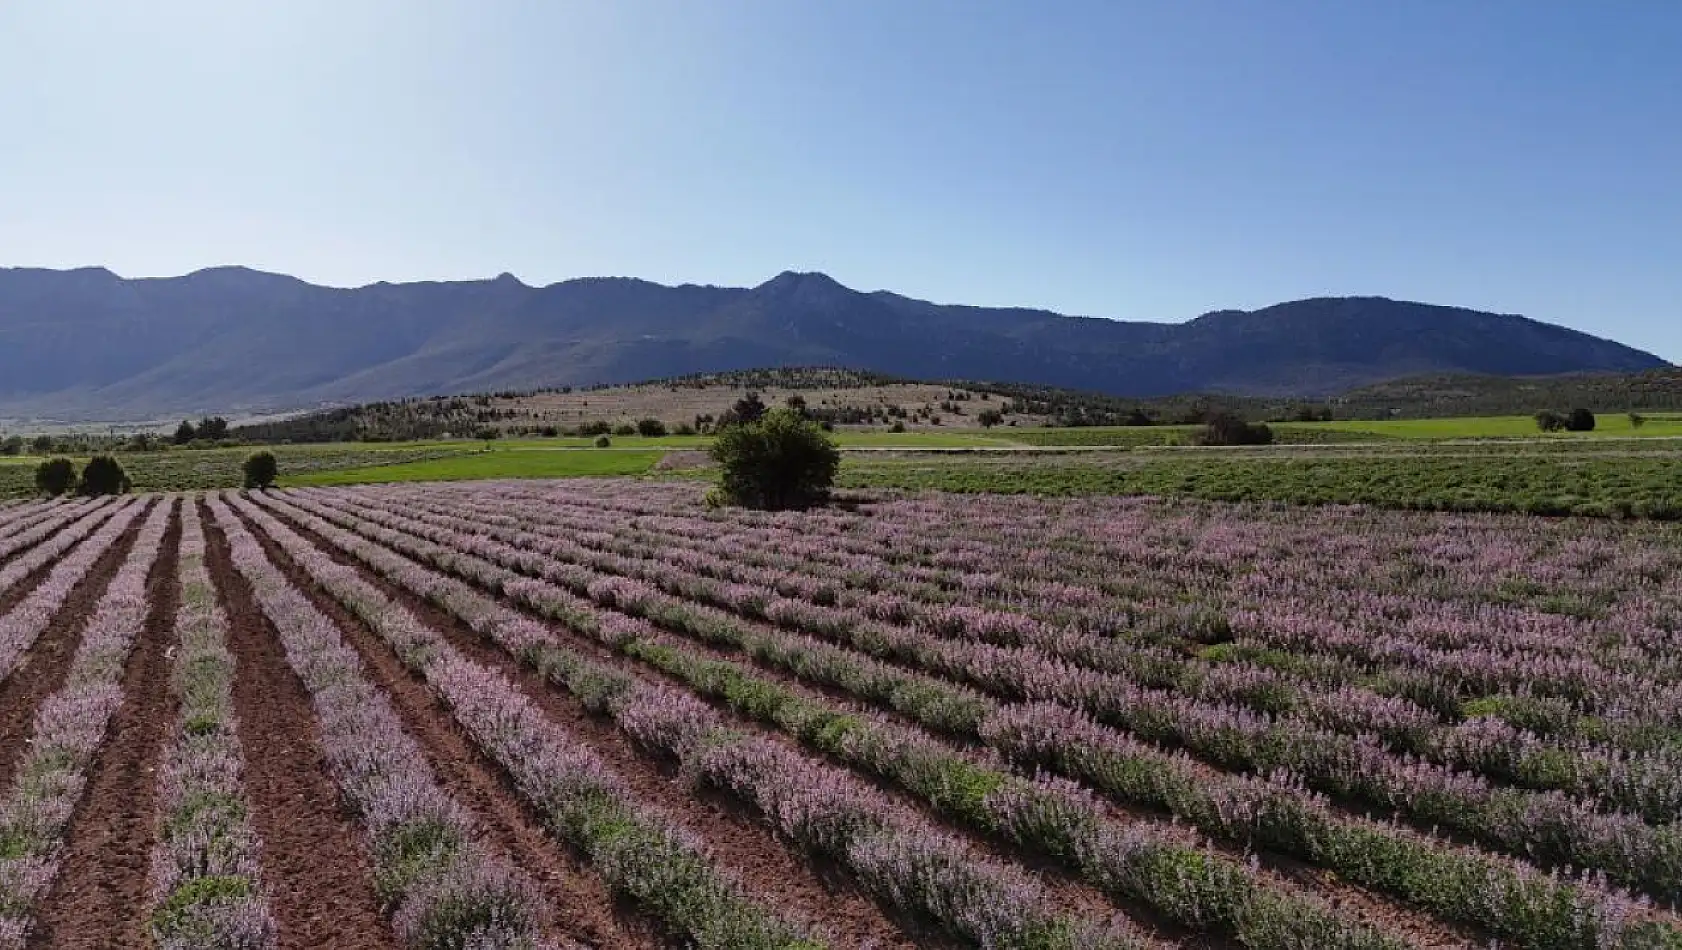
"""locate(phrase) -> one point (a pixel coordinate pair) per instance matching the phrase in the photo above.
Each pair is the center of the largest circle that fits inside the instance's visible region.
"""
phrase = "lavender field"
(598, 714)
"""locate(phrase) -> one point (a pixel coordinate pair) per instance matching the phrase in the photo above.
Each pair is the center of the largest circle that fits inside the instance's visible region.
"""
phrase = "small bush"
(652, 428)
(1228, 429)
(898, 426)
(55, 476)
(260, 469)
(624, 428)
(1550, 421)
(103, 475)
(1580, 420)
(782, 461)
(1636, 421)
(603, 441)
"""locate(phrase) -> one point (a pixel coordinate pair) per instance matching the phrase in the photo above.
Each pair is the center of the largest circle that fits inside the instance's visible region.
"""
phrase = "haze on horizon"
(1146, 161)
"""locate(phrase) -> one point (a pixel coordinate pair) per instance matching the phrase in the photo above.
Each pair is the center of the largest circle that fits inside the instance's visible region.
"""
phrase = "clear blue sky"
(1134, 160)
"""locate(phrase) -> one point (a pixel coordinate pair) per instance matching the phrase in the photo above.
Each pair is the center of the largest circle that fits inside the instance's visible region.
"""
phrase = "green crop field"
(1284, 433)
(182, 469)
(1594, 481)
(1608, 425)
(563, 463)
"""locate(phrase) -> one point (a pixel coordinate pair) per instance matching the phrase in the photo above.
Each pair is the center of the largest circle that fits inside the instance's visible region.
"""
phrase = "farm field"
(1599, 478)
(186, 470)
(1607, 425)
(500, 463)
(594, 713)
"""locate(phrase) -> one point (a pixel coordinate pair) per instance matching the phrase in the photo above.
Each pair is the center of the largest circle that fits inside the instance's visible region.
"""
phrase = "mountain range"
(86, 344)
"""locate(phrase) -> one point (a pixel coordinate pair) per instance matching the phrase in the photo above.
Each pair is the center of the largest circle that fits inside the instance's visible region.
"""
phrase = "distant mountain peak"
(235, 274)
(90, 345)
(790, 281)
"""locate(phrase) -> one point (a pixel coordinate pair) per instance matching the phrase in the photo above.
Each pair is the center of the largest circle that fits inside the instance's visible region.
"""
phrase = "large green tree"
(781, 461)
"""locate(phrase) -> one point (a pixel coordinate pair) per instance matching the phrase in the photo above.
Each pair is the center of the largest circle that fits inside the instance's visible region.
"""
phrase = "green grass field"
(917, 439)
(494, 464)
(1607, 425)
(1483, 463)
(1596, 479)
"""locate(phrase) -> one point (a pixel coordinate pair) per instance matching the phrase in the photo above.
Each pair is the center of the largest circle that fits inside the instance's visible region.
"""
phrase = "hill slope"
(89, 344)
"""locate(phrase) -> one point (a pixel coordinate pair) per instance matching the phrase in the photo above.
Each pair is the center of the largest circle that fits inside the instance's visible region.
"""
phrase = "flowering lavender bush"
(69, 728)
(639, 851)
(1550, 827)
(442, 888)
(1533, 909)
(205, 887)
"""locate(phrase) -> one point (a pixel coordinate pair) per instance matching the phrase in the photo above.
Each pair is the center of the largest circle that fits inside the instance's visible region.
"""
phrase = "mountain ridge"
(88, 344)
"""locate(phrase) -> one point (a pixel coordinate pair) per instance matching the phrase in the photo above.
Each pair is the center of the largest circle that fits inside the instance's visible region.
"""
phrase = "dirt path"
(48, 662)
(736, 839)
(315, 864)
(99, 897)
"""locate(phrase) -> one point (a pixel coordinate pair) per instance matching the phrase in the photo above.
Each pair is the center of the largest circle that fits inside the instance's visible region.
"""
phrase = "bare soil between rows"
(100, 895)
(737, 840)
(585, 908)
(1375, 909)
(315, 863)
(43, 669)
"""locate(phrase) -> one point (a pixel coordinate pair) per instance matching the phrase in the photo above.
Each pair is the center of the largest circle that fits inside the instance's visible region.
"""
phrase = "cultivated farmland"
(595, 713)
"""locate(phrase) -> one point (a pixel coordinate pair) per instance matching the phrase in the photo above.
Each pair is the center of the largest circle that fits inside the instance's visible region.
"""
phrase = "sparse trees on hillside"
(185, 433)
(213, 429)
(748, 409)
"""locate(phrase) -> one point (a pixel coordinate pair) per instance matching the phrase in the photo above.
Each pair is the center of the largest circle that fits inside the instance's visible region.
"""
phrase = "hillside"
(1423, 397)
(87, 344)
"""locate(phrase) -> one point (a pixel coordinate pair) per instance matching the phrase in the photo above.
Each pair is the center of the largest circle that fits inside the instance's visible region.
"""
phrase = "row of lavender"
(428, 861)
(1370, 585)
(1471, 646)
(1477, 888)
(986, 903)
(900, 858)
(70, 725)
(1551, 827)
(205, 879)
(1648, 782)
(1473, 580)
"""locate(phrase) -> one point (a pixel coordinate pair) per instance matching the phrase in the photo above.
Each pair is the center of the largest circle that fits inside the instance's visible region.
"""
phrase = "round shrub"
(781, 461)
(55, 476)
(603, 441)
(260, 470)
(103, 475)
